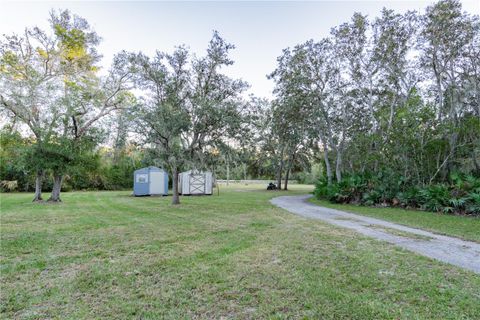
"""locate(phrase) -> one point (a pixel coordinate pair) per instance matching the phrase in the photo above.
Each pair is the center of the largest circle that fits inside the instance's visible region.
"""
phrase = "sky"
(259, 30)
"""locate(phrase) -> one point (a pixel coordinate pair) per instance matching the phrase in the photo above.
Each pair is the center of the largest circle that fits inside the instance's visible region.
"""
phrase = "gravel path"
(465, 254)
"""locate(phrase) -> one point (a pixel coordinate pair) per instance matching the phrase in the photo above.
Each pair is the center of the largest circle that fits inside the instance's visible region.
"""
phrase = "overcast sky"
(259, 30)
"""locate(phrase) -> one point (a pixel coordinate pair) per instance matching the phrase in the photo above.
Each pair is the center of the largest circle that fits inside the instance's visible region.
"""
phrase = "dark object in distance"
(272, 186)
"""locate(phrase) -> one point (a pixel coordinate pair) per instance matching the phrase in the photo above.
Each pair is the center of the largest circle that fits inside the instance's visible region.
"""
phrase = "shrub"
(473, 203)
(372, 197)
(434, 197)
(461, 196)
(409, 197)
(8, 186)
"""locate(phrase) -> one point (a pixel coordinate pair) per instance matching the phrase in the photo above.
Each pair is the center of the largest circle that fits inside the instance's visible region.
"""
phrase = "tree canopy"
(382, 105)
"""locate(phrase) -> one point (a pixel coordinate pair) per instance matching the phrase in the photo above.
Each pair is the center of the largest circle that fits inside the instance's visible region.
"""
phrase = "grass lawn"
(110, 255)
(467, 228)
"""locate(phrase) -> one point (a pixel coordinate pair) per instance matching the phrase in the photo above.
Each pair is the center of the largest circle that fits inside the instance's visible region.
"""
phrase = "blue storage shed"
(150, 181)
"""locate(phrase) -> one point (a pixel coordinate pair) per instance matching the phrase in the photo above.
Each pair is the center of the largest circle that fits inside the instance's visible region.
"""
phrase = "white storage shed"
(195, 183)
(150, 181)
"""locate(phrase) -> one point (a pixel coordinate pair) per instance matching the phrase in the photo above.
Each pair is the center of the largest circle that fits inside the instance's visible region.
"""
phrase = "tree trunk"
(175, 198)
(57, 186)
(228, 171)
(38, 186)
(245, 173)
(287, 173)
(279, 174)
(120, 138)
(285, 187)
(338, 165)
(439, 90)
(327, 164)
(390, 118)
(448, 166)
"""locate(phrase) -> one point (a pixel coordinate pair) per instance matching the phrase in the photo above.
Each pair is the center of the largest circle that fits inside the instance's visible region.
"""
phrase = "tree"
(161, 115)
(30, 86)
(360, 94)
(48, 82)
(447, 39)
(306, 80)
(188, 106)
(87, 101)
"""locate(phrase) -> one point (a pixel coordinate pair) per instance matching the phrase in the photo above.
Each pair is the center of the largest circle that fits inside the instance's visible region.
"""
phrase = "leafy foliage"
(460, 196)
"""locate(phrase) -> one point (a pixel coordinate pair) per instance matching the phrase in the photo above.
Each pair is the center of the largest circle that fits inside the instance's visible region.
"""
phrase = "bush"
(8, 186)
(460, 196)
(472, 204)
(409, 198)
(434, 198)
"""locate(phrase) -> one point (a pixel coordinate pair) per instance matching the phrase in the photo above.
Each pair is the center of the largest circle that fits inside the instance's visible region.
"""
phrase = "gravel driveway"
(464, 254)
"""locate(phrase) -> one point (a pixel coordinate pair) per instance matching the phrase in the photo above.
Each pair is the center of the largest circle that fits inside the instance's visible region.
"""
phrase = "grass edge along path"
(463, 227)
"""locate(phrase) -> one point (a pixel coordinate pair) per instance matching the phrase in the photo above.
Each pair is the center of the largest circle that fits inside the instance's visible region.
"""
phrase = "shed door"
(156, 182)
(140, 186)
(197, 183)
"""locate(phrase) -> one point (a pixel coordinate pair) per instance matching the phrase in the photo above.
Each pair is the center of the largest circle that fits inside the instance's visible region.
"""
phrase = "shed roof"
(148, 169)
(196, 171)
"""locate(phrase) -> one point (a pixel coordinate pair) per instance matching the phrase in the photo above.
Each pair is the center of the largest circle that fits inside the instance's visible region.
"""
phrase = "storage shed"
(195, 183)
(150, 181)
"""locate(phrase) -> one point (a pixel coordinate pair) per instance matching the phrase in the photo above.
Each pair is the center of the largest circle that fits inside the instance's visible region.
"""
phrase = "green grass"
(464, 227)
(234, 256)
